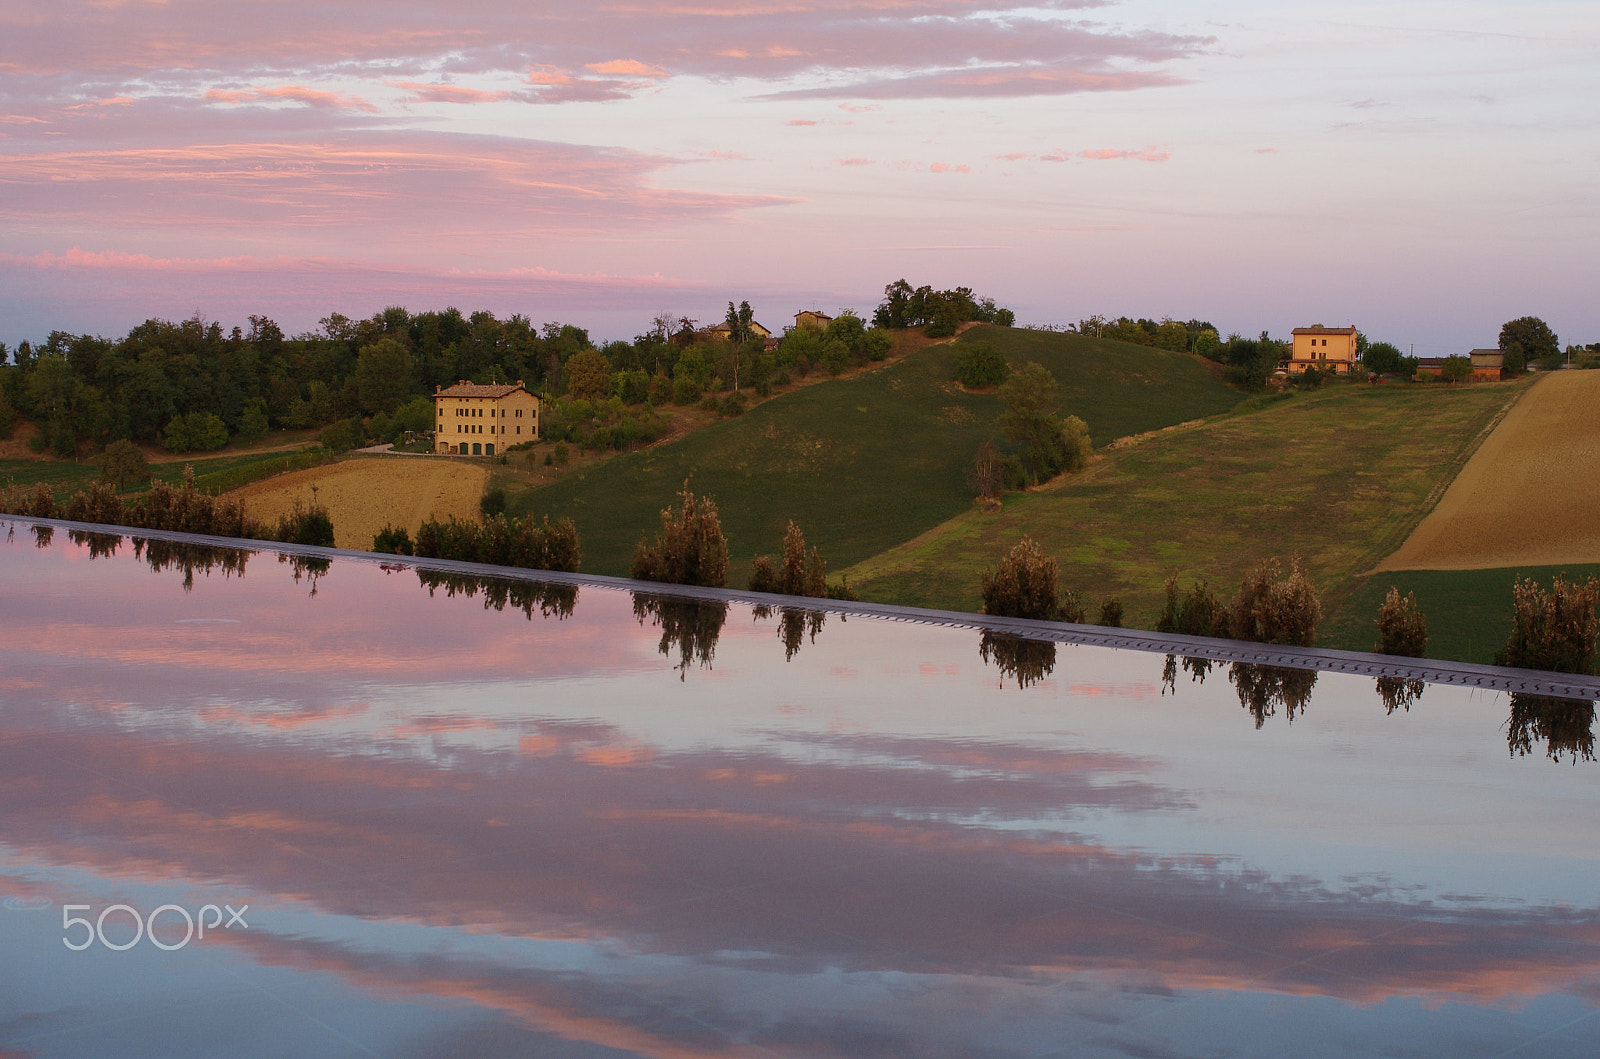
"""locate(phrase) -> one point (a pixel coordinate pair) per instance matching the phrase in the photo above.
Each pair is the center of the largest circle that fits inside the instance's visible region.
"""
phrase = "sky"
(1423, 170)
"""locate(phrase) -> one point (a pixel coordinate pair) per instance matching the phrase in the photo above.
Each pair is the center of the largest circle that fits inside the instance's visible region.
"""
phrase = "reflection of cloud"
(436, 93)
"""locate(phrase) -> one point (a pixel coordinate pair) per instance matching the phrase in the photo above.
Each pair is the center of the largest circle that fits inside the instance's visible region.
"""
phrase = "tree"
(1276, 609)
(588, 375)
(1023, 585)
(195, 432)
(1383, 358)
(988, 472)
(1049, 445)
(1526, 340)
(1402, 629)
(979, 365)
(383, 375)
(123, 464)
(1553, 630)
(1456, 368)
(689, 550)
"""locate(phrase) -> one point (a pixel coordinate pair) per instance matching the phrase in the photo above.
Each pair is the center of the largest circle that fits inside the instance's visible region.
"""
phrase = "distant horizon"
(1424, 171)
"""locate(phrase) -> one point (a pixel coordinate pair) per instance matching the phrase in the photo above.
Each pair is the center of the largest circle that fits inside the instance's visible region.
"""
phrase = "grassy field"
(1339, 476)
(866, 463)
(66, 477)
(1468, 611)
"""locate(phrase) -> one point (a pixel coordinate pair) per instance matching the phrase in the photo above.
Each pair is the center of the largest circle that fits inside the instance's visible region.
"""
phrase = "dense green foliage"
(1528, 340)
(979, 365)
(1552, 630)
(498, 541)
(940, 312)
(1024, 585)
(872, 460)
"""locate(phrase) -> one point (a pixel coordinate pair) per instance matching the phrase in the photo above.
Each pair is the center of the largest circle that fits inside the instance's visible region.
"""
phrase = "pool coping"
(1328, 660)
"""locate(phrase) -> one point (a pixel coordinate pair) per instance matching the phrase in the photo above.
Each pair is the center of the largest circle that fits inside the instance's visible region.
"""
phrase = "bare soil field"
(1530, 496)
(364, 494)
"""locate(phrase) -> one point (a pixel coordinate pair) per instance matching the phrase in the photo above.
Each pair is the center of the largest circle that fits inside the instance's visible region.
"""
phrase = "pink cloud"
(855, 109)
(21, 119)
(1014, 156)
(626, 68)
(1266, 150)
(865, 47)
(946, 167)
(435, 93)
(1148, 154)
(801, 121)
(311, 97)
(1056, 156)
(855, 161)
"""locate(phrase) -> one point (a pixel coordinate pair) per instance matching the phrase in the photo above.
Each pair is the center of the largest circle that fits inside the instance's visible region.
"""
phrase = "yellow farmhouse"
(1323, 348)
(473, 420)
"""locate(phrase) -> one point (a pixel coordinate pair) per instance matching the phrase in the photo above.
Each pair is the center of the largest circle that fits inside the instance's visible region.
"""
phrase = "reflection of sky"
(462, 830)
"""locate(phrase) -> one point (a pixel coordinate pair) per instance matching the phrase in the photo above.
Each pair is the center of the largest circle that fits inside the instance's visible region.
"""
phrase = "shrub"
(340, 437)
(100, 504)
(763, 575)
(493, 502)
(391, 541)
(979, 366)
(1552, 630)
(1197, 614)
(1111, 613)
(1402, 630)
(562, 453)
(1024, 584)
(195, 432)
(1276, 609)
(689, 550)
(305, 525)
(988, 472)
(686, 390)
(1072, 609)
(731, 405)
(123, 464)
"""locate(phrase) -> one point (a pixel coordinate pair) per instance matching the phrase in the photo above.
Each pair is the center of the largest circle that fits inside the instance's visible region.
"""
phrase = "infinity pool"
(416, 814)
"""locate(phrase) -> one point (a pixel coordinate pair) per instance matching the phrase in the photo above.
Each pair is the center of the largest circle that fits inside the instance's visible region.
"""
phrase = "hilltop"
(869, 462)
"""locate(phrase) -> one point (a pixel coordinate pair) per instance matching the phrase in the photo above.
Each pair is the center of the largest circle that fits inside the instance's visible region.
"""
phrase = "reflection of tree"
(1197, 668)
(1262, 689)
(1563, 725)
(100, 545)
(1029, 661)
(794, 623)
(43, 535)
(310, 567)
(691, 625)
(1399, 693)
(165, 555)
(550, 599)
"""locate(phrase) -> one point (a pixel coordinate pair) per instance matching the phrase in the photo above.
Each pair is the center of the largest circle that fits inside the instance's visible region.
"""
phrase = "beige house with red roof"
(474, 420)
(1323, 348)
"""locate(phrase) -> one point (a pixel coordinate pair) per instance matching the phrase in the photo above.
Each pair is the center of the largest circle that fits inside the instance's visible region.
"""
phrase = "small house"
(812, 319)
(1486, 364)
(480, 420)
(1323, 348)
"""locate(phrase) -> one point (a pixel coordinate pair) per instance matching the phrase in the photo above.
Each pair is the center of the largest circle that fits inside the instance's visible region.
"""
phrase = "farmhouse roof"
(472, 389)
(1320, 330)
(1486, 353)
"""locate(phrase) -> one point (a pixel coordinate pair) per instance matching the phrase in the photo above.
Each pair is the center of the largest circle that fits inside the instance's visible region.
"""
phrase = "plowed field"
(364, 495)
(1530, 496)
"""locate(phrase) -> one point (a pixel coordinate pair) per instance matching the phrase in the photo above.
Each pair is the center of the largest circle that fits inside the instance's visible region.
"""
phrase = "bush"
(1402, 630)
(689, 550)
(1199, 613)
(195, 432)
(305, 525)
(391, 541)
(686, 391)
(988, 472)
(1553, 630)
(340, 437)
(1024, 585)
(1276, 609)
(731, 405)
(763, 575)
(492, 502)
(1111, 613)
(502, 541)
(979, 366)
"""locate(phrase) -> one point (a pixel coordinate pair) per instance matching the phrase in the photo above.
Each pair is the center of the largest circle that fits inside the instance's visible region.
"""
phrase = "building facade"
(474, 420)
(813, 319)
(1323, 348)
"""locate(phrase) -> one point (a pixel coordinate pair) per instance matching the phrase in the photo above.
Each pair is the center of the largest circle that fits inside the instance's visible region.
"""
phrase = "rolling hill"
(869, 462)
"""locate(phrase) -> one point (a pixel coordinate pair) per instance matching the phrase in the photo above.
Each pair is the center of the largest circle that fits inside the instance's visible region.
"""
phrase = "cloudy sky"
(1423, 170)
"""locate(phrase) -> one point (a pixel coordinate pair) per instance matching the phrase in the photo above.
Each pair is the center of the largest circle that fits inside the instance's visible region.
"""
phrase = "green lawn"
(1339, 476)
(866, 463)
(1468, 611)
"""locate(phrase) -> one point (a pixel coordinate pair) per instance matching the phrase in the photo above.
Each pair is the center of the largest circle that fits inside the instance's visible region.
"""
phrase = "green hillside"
(1469, 611)
(1339, 476)
(869, 462)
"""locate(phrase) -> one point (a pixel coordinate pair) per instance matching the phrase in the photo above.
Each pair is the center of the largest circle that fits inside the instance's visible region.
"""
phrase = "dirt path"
(1530, 496)
(365, 494)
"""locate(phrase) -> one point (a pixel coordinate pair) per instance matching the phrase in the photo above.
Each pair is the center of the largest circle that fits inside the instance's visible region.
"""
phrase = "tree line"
(192, 386)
